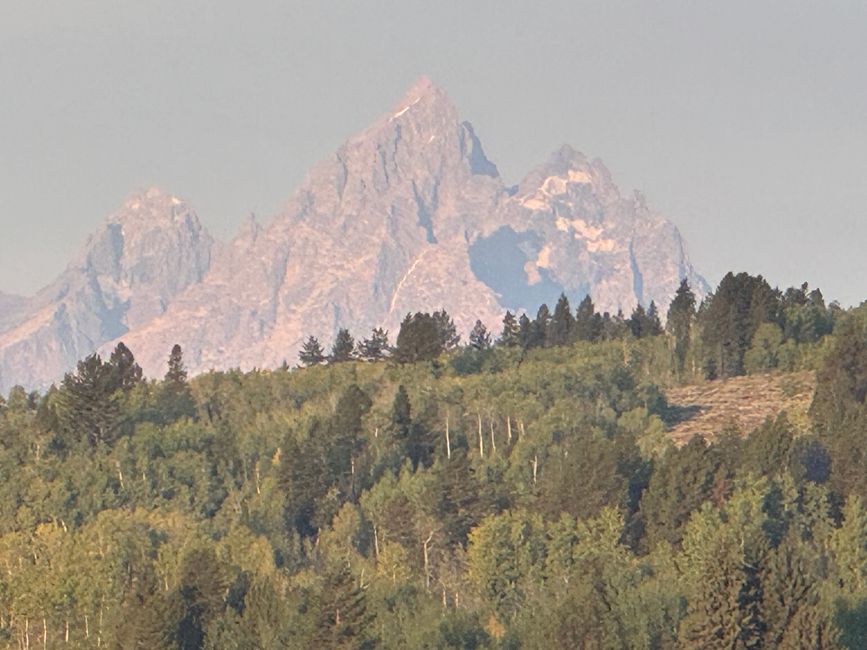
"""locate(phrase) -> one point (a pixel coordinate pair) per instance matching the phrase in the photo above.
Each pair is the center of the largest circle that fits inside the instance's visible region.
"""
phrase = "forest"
(517, 490)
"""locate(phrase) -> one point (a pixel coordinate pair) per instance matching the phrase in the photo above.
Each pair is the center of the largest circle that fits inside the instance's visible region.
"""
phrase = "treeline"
(495, 495)
(744, 326)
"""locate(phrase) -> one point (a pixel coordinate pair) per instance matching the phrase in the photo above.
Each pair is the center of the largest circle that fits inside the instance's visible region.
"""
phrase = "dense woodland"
(516, 491)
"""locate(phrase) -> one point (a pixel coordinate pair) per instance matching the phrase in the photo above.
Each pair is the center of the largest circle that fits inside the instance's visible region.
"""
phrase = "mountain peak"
(423, 90)
(150, 198)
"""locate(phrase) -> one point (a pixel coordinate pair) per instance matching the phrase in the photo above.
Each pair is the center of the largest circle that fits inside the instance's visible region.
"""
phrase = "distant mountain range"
(408, 215)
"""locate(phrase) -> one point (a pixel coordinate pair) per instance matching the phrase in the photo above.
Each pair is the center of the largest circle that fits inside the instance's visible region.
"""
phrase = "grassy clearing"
(742, 403)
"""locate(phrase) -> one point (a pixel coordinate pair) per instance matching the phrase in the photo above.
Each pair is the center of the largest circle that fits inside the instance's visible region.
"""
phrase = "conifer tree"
(375, 347)
(176, 399)
(448, 334)
(588, 324)
(177, 372)
(480, 339)
(679, 321)
(510, 336)
(637, 321)
(653, 326)
(729, 319)
(343, 620)
(311, 353)
(421, 338)
(86, 406)
(126, 373)
(539, 328)
(343, 348)
(561, 328)
(401, 413)
(525, 331)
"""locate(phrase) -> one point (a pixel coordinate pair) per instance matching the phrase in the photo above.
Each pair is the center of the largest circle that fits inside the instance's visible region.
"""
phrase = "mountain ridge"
(408, 214)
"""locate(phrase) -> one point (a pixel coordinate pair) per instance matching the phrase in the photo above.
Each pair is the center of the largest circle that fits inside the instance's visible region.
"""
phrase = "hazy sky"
(743, 122)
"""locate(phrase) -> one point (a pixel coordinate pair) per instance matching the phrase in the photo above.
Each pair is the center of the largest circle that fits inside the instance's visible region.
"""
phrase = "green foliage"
(88, 408)
(311, 352)
(679, 324)
(419, 339)
(524, 493)
(374, 347)
(343, 348)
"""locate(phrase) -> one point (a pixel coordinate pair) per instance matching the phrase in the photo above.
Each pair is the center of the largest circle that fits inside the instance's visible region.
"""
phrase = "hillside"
(517, 494)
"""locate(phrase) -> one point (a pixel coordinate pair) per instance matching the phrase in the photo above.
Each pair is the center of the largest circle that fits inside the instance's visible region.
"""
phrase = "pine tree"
(177, 373)
(637, 321)
(343, 348)
(401, 414)
(588, 324)
(421, 338)
(343, 620)
(679, 321)
(525, 331)
(176, 399)
(448, 334)
(86, 406)
(730, 318)
(311, 352)
(539, 328)
(653, 326)
(126, 373)
(510, 336)
(561, 328)
(375, 347)
(480, 339)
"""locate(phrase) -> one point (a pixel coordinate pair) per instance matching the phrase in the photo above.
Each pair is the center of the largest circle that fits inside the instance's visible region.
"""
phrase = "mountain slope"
(143, 255)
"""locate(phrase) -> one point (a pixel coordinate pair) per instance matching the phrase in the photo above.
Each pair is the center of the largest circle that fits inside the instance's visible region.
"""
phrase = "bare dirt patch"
(744, 403)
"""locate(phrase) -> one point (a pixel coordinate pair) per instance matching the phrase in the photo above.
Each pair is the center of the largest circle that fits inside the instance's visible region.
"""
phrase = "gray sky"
(743, 122)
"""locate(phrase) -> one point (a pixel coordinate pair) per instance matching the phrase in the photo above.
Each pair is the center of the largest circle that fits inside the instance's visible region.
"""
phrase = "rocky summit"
(408, 215)
(129, 271)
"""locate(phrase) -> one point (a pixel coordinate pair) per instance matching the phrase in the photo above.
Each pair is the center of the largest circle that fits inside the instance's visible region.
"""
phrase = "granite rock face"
(408, 215)
(127, 274)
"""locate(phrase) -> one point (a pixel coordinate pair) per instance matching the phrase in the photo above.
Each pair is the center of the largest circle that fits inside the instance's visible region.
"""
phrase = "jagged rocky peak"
(566, 177)
(424, 127)
(154, 238)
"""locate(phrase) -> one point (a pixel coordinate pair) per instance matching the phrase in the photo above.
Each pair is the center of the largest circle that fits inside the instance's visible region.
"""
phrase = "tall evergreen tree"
(448, 333)
(588, 324)
(343, 620)
(561, 328)
(638, 322)
(480, 339)
(311, 353)
(654, 326)
(176, 399)
(344, 346)
(679, 321)
(525, 331)
(87, 407)
(510, 336)
(375, 347)
(539, 328)
(420, 338)
(177, 372)
(730, 318)
(126, 373)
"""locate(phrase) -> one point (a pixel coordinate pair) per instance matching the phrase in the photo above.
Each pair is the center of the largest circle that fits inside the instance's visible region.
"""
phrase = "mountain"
(142, 256)
(407, 215)
(566, 228)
